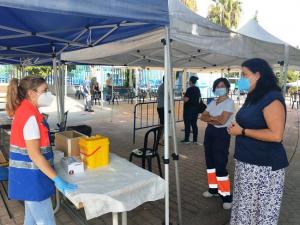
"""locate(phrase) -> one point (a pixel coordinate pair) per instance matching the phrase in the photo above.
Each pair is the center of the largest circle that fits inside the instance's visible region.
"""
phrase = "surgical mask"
(45, 99)
(244, 84)
(220, 91)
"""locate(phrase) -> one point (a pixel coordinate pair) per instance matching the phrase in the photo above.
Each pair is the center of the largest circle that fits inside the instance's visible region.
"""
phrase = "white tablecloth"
(119, 187)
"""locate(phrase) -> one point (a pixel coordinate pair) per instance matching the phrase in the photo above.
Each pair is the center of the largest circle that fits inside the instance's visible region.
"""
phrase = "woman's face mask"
(244, 85)
(220, 91)
(247, 82)
(45, 99)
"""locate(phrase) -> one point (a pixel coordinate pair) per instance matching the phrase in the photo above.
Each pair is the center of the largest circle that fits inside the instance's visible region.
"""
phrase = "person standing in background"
(259, 153)
(218, 116)
(87, 95)
(109, 91)
(160, 107)
(191, 111)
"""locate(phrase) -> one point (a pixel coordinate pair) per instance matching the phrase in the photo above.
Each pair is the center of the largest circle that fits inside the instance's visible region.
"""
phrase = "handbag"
(201, 106)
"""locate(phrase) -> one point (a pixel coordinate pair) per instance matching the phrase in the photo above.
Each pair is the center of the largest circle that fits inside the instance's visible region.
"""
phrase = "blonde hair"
(17, 91)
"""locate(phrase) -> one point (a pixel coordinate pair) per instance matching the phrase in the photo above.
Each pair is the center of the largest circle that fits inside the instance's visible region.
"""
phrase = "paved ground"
(117, 124)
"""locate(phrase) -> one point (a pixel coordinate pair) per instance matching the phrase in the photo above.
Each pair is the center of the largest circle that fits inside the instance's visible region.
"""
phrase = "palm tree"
(226, 13)
(191, 4)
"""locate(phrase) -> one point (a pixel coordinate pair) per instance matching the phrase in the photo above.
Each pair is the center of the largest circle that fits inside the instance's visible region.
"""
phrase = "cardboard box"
(68, 142)
(72, 165)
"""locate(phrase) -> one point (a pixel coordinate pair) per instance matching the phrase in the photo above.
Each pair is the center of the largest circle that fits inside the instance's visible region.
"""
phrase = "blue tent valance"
(34, 31)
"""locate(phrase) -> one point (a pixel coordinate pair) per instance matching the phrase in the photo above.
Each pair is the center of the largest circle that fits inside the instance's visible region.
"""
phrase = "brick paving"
(196, 210)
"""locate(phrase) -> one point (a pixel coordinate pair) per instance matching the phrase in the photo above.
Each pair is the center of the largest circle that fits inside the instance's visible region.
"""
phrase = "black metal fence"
(146, 116)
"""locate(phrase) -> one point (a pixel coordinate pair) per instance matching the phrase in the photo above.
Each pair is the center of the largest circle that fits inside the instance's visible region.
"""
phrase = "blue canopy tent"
(37, 32)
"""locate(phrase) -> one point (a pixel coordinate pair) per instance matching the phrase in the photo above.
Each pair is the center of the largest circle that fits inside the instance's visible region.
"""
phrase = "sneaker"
(207, 194)
(90, 110)
(185, 142)
(196, 143)
(227, 205)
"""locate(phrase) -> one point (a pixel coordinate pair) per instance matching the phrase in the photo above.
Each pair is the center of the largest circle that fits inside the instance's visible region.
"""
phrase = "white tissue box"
(72, 165)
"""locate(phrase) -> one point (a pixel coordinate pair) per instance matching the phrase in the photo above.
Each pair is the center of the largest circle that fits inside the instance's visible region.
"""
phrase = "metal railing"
(145, 114)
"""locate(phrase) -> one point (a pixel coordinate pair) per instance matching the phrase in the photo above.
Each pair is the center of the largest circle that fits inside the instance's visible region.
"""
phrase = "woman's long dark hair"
(266, 83)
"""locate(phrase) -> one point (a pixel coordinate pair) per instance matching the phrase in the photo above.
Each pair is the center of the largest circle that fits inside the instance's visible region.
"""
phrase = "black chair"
(4, 178)
(148, 153)
(61, 127)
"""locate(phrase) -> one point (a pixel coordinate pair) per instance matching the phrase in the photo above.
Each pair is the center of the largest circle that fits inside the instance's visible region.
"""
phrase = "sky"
(279, 17)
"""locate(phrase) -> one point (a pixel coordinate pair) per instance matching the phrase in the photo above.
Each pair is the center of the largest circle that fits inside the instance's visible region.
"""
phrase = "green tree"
(43, 71)
(226, 13)
(126, 82)
(191, 4)
(292, 76)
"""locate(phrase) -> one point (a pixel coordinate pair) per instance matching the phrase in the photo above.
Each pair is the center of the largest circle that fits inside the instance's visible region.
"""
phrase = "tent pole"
(137, 75)
(281, 76)
(66, 80)
(60, 89)
(130, 79)
(286, 67)
(175, 155)
(101, 83)
(166, 124)
(56, 87)
(63, 86)
(184, 78)
(298, 73)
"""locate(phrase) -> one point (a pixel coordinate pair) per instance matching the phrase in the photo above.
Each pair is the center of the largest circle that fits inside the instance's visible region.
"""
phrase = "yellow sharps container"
(94, 151)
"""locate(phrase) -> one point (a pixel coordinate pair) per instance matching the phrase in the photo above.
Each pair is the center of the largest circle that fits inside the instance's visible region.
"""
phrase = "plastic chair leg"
(130, 157)
(4, 201)
(143, 163)
(149, 164)
(159, 166)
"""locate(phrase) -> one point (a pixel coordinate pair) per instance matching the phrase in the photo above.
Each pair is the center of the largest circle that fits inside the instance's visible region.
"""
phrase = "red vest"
(26, 182)
(22, 114)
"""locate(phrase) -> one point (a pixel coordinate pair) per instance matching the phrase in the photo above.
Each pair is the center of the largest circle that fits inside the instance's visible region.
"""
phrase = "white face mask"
(45, 99)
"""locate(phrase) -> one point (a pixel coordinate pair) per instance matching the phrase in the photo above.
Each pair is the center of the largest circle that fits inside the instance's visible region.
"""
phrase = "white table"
(117, 188)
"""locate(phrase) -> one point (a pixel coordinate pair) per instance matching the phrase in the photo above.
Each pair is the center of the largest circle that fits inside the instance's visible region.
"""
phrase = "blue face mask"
(220, 91)
(244, 84)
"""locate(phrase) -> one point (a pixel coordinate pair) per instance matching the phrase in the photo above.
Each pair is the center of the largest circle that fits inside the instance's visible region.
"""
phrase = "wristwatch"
(243, 132)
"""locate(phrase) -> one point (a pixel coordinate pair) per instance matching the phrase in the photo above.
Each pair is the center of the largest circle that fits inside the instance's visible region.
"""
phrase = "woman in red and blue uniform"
(32, 177)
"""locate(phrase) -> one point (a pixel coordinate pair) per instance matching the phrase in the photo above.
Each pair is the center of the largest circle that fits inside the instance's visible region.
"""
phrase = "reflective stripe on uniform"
(26, 165)
(211, 178)
(223, 185)
(223, 193)
(23, 151)
(211, 170)
(222, 178)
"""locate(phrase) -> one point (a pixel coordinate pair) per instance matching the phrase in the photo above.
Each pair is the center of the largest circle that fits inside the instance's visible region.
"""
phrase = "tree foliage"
(226, 13)
(292, 76)
(191, 4)
(43, 71)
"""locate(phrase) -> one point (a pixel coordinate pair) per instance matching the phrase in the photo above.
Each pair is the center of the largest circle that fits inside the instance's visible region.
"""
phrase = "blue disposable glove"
(64, 186)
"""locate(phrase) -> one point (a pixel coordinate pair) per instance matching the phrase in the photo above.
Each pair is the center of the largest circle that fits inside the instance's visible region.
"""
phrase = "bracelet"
(243, 132)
